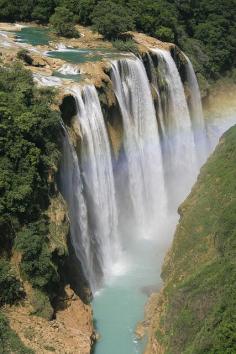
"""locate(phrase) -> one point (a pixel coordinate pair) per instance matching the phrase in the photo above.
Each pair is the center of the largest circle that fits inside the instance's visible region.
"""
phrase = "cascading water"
(141, 144)
(157, 99)
(179, 150)
(157, 144)
(69, 69)
(72, 189)
(196, 113)
(100, 243)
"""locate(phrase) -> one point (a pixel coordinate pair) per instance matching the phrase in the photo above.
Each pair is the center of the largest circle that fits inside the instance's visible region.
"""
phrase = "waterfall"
(141, 144)
(157, 101)
(160, 154)
(72, 190)
(179, 150)
(91, 191)
(196, 113)
(69, 69)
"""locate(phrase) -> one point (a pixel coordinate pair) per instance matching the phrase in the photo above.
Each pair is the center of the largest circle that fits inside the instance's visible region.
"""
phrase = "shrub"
(126, 46)
(36, 263)
(63, 23)
(111, 19)
(41, 305)
(10, 286)
(165, 34)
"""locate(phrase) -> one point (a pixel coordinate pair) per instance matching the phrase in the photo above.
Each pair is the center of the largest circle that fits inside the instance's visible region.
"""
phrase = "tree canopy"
(206, 27)
(63, 22)
(111, 19)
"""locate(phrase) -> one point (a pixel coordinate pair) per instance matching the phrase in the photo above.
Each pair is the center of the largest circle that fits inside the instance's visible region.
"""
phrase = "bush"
(111, 19)
(41, 305)
(165, 34)
(126, 46)
(10, 286)
(63, 23)
(36, 263)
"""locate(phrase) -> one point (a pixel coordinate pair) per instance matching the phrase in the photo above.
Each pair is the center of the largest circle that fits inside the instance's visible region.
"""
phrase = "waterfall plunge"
(90, 193)
(154, 148)
(141, 145)
(196, 113)
(72, 189)
(179, 150)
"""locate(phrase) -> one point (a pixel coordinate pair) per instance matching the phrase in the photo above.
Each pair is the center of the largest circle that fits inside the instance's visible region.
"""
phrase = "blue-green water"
(77, 77)
(119, 306)
(33, 35)
(41, 36)
(76, 56)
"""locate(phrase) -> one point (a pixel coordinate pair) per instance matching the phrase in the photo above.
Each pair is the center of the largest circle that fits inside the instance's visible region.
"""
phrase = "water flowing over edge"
(157, 139)
(90, 191)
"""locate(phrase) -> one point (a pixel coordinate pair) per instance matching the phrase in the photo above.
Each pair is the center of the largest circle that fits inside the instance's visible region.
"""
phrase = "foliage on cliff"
(29, 155)
(200, 270)
(111, 19)
(204, 29)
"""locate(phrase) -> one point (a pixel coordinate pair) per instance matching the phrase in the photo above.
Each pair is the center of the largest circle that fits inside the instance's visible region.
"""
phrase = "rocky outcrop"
(66, 324)
(70, 332)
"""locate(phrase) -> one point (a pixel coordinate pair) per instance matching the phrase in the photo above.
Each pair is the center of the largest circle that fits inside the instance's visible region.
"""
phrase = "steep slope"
(195, 312)
(36, 260)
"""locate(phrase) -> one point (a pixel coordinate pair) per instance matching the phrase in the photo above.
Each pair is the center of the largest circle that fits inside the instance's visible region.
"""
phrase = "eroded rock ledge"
(70, 332)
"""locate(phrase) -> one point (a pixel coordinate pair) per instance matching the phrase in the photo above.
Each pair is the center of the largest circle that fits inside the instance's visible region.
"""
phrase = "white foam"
(69, 69)
(47, 80)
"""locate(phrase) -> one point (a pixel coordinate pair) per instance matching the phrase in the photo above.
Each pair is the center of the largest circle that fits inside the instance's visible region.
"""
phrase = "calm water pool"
(120, 305)
(41, 36)
(33, 35)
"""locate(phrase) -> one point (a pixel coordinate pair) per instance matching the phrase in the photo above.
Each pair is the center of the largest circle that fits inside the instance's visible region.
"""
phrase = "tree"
(111, 19)
(43, 9)
(165, 34)
(63, 22)
(9, 284)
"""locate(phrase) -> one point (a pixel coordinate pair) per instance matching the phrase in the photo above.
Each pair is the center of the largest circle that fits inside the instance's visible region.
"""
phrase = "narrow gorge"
(133, 139)
(126, 190)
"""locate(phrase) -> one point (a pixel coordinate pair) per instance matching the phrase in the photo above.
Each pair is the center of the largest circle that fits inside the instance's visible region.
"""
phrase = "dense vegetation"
(205, 29)
(63, 22)
(29, 155)
(200, 271)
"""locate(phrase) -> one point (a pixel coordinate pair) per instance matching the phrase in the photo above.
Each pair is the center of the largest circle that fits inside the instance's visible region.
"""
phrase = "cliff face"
(194, 313)
(66, 324)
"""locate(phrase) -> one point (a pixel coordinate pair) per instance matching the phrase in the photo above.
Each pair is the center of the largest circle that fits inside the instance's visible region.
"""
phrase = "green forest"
(29, 153)
(204, 29)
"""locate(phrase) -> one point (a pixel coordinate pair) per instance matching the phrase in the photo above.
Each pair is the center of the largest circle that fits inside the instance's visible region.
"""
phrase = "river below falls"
(120, 305)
